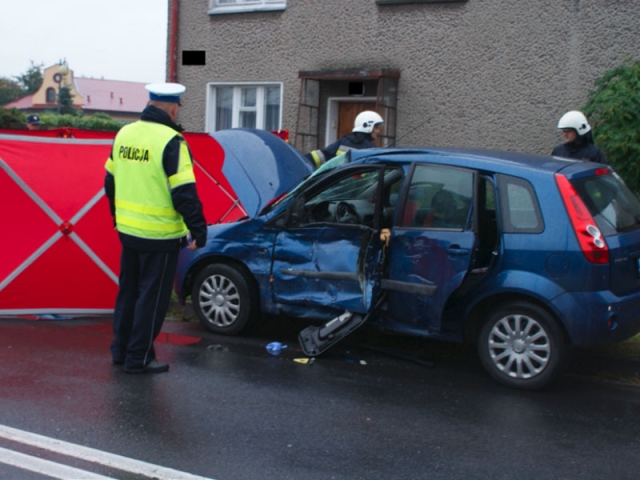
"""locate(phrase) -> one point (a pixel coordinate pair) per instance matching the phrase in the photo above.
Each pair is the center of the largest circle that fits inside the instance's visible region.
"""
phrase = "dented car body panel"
(325, 266)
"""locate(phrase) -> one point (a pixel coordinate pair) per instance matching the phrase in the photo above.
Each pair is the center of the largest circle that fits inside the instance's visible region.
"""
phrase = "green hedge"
(613, 109)
(97, 121)
(15, 119)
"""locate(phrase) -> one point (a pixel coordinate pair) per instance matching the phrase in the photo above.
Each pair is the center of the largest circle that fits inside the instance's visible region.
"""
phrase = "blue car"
(524, 255)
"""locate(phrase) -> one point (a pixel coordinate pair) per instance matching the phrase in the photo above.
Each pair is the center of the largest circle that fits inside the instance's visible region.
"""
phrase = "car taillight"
(589, 237)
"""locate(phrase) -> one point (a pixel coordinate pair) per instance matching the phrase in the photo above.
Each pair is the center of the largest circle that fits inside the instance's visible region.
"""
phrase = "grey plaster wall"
(486, 73)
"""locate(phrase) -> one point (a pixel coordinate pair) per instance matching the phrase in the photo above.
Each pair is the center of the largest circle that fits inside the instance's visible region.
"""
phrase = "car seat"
(442, 212)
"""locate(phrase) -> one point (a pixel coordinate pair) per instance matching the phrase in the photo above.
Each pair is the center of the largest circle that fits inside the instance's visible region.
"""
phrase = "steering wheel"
(346, 213)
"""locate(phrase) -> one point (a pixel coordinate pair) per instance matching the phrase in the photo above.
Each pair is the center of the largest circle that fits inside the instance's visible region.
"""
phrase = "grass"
(181, 313)
(629, 348)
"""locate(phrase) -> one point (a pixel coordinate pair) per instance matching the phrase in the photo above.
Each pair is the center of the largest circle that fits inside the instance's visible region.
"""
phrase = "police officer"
(151, 189)
(33, 122)
(366, 129)
(578, 139)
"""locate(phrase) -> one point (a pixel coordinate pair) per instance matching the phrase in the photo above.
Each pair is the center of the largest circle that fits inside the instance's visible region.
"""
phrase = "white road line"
(96, 456)
(46, 467)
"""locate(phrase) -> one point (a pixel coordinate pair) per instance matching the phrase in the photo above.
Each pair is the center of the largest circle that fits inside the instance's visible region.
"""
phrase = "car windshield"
(326, 167)
(614, 207)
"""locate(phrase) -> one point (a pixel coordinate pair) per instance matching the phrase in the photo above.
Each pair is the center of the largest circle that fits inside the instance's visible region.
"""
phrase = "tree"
(23, 85)
(65, 100)
(31, 80)
(9, 91)
(11, 118)
(613, 109)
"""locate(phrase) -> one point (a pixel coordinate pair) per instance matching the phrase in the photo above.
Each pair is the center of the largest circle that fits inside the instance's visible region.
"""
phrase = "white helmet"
(576, 120)
(365, 121)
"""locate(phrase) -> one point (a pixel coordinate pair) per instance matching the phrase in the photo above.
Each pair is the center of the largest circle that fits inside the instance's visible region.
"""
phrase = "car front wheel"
(221, 298)
(522, 346)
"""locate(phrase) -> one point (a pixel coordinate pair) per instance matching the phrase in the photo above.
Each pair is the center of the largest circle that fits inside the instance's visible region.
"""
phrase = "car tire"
(521, 345)
(222, 299)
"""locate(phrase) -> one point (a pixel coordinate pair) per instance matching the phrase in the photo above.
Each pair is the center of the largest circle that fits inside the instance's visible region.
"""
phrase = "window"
(244, 106)
(519, 206)
(350, 200)
(238, 6)
(614, 207)
(51, 95)
(438, 197)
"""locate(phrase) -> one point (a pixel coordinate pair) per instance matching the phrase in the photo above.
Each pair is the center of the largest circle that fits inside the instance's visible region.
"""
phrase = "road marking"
(96, 456)
(46, 467)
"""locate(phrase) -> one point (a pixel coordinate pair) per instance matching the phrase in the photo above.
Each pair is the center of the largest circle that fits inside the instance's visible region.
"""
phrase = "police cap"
(165, 92)
(33, 120)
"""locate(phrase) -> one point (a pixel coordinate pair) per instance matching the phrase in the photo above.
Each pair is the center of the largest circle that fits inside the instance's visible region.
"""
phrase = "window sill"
(246, 9)
(389, 2)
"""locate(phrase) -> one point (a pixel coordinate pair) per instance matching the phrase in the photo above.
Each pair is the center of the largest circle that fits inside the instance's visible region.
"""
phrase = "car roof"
(490, 160)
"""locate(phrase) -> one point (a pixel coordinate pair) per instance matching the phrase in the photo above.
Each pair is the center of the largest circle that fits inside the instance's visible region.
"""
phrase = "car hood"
(260, 166)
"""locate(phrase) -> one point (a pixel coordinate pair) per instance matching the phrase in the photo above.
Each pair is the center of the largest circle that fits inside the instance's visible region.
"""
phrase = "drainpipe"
(173, 42)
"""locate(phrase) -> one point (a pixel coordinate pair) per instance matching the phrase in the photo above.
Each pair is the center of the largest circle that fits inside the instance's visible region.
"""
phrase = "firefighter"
(151, 189)
(366, 129)
(578, 139)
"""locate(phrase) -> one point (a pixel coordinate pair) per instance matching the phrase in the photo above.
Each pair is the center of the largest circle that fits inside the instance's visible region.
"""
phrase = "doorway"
(322, 117)
(341, 114)
(347, 113)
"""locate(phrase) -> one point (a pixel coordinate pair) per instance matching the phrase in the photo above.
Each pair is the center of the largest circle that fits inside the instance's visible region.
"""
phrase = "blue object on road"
(274, 348)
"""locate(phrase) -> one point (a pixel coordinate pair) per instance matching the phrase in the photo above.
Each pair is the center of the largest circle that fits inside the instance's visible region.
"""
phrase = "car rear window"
(614, 206)
(519, 206)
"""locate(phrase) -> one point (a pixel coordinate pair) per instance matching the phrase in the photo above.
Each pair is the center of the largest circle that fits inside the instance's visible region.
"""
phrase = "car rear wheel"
(522, 346)
(221, 298)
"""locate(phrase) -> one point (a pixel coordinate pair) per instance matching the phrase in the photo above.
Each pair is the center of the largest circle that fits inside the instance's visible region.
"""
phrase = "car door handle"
(457, 251)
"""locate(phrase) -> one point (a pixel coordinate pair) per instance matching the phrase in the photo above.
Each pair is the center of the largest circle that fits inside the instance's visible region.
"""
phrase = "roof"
(491, 160)
(21, 103)
(112, 95)
(101, 95)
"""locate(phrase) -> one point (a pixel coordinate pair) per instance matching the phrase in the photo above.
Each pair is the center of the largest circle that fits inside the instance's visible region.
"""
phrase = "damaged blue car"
(523, 255)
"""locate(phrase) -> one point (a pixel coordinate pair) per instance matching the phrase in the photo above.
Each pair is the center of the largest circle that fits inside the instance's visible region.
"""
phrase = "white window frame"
(241, 6)
(210, 120)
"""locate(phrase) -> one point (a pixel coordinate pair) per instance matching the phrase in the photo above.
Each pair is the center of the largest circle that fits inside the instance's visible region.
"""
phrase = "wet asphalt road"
(230, 411)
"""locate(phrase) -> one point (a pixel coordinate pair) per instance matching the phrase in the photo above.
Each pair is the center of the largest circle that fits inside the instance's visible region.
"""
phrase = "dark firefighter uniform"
(350, 141)
(582, 148)
(151, 189)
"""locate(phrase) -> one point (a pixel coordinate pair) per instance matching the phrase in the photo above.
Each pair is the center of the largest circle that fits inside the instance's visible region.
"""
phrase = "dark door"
(347, 113)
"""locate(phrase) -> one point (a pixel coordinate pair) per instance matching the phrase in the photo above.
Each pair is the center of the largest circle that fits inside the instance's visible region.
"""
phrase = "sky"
(110, 39)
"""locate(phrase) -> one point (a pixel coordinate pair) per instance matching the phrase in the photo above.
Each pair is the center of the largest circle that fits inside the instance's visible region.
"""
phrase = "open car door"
(327, 259)
(431, 247)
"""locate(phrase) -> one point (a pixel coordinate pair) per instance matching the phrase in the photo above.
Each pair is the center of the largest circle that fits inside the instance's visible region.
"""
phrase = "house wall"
(40, 97)
(485, 73)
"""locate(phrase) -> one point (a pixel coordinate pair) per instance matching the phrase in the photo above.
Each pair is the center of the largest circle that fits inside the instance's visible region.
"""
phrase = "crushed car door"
(431, 246)
(328, 254)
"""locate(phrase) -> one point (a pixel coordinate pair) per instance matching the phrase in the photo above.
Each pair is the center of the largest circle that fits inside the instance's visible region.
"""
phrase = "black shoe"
(117, 361)
(153, 366)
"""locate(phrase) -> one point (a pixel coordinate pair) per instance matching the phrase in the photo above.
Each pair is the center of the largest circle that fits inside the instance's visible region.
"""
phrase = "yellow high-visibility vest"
(143, 192)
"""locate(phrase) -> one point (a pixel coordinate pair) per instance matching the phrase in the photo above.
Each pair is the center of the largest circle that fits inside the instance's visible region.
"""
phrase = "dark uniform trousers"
(146, 280)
